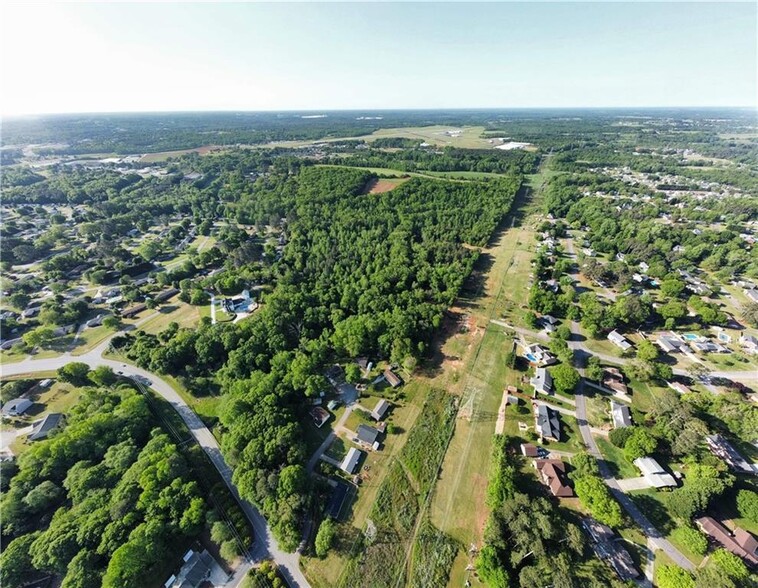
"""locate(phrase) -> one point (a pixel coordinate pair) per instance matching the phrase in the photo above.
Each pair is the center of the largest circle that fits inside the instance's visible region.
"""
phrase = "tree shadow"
(655, 511)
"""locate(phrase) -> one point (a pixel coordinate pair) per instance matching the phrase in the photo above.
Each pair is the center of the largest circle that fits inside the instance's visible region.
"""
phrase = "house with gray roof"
(542, 381)
(16, 407)
(42, 428)
(546, 422)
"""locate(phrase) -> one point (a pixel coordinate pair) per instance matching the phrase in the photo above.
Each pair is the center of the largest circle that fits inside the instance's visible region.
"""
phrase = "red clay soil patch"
(379, 185)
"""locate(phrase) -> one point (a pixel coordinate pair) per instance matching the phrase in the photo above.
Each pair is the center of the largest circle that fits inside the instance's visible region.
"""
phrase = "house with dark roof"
(42, 428)
(546, 422)
(338, 498)
(743, 546)
(553, 474)
(529, 450)
(16, 407)
(367, 435)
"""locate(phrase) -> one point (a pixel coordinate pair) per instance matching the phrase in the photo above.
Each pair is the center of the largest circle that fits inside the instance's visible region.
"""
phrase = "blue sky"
(110, 57)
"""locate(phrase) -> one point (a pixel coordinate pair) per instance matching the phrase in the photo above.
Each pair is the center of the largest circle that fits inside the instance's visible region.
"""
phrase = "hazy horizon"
(281, 57)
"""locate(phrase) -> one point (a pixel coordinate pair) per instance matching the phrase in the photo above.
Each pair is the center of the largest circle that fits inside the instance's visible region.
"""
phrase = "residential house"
(546, 422)
(608, 548)
(380, 409)
(613, 379)
(619, 340)
(552, 472)
(653, 473)
(16, 407)
(743, 547)
(529, 450)
(42, 428)
(338, 497)
(199, 569)
(720, 447)
(319, 416)
(644, 267)
(708, 347)
(669, 342)
(752, 294)
(542, 381)
(749, 343)
(392, 378)
(368, 436)
(350, 462)
(537, 355)
(621, 415)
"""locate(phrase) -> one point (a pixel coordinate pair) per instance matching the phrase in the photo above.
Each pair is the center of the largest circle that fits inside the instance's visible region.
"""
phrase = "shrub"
(747, 505)
(692, 539)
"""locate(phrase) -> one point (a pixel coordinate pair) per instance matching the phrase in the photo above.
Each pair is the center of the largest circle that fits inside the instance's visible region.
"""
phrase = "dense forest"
(362, 274)
(103, 502)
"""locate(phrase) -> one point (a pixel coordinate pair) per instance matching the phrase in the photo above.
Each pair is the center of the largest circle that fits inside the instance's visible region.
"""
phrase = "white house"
(619, 340)
(653, 473)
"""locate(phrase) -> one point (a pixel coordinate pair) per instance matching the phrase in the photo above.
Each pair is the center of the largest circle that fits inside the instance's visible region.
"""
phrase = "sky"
(312, 56)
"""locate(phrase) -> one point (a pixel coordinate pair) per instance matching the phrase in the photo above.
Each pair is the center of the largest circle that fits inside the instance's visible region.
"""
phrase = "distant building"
(16, 407)
(546, 423)
(350, 462)
(720, 447)
(653, 473)
(743, 545)
(619, 340)
(542, 381)
(42, 428)
(621, 415)
(380, 410)
(553, 474)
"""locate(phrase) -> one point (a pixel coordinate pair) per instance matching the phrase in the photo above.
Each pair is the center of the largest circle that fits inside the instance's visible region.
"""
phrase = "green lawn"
(620, 466)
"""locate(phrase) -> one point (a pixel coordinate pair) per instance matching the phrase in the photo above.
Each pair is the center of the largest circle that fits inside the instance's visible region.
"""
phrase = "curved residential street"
(265, 546)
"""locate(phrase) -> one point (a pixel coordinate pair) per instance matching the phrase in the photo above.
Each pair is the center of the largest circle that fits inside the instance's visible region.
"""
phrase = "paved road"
(655, 539)
(265, 546)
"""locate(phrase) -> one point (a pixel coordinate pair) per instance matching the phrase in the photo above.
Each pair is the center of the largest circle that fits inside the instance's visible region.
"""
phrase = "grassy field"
(472, 365)
(174, 311)
(164, 155)
(90, 338)
(619, 465)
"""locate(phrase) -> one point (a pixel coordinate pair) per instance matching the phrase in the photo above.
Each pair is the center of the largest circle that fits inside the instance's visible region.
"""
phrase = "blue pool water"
(530, 357)
(690, 337)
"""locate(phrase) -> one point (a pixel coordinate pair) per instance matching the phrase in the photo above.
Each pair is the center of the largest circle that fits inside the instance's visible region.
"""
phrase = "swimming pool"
(531, 357)
(690, 337)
